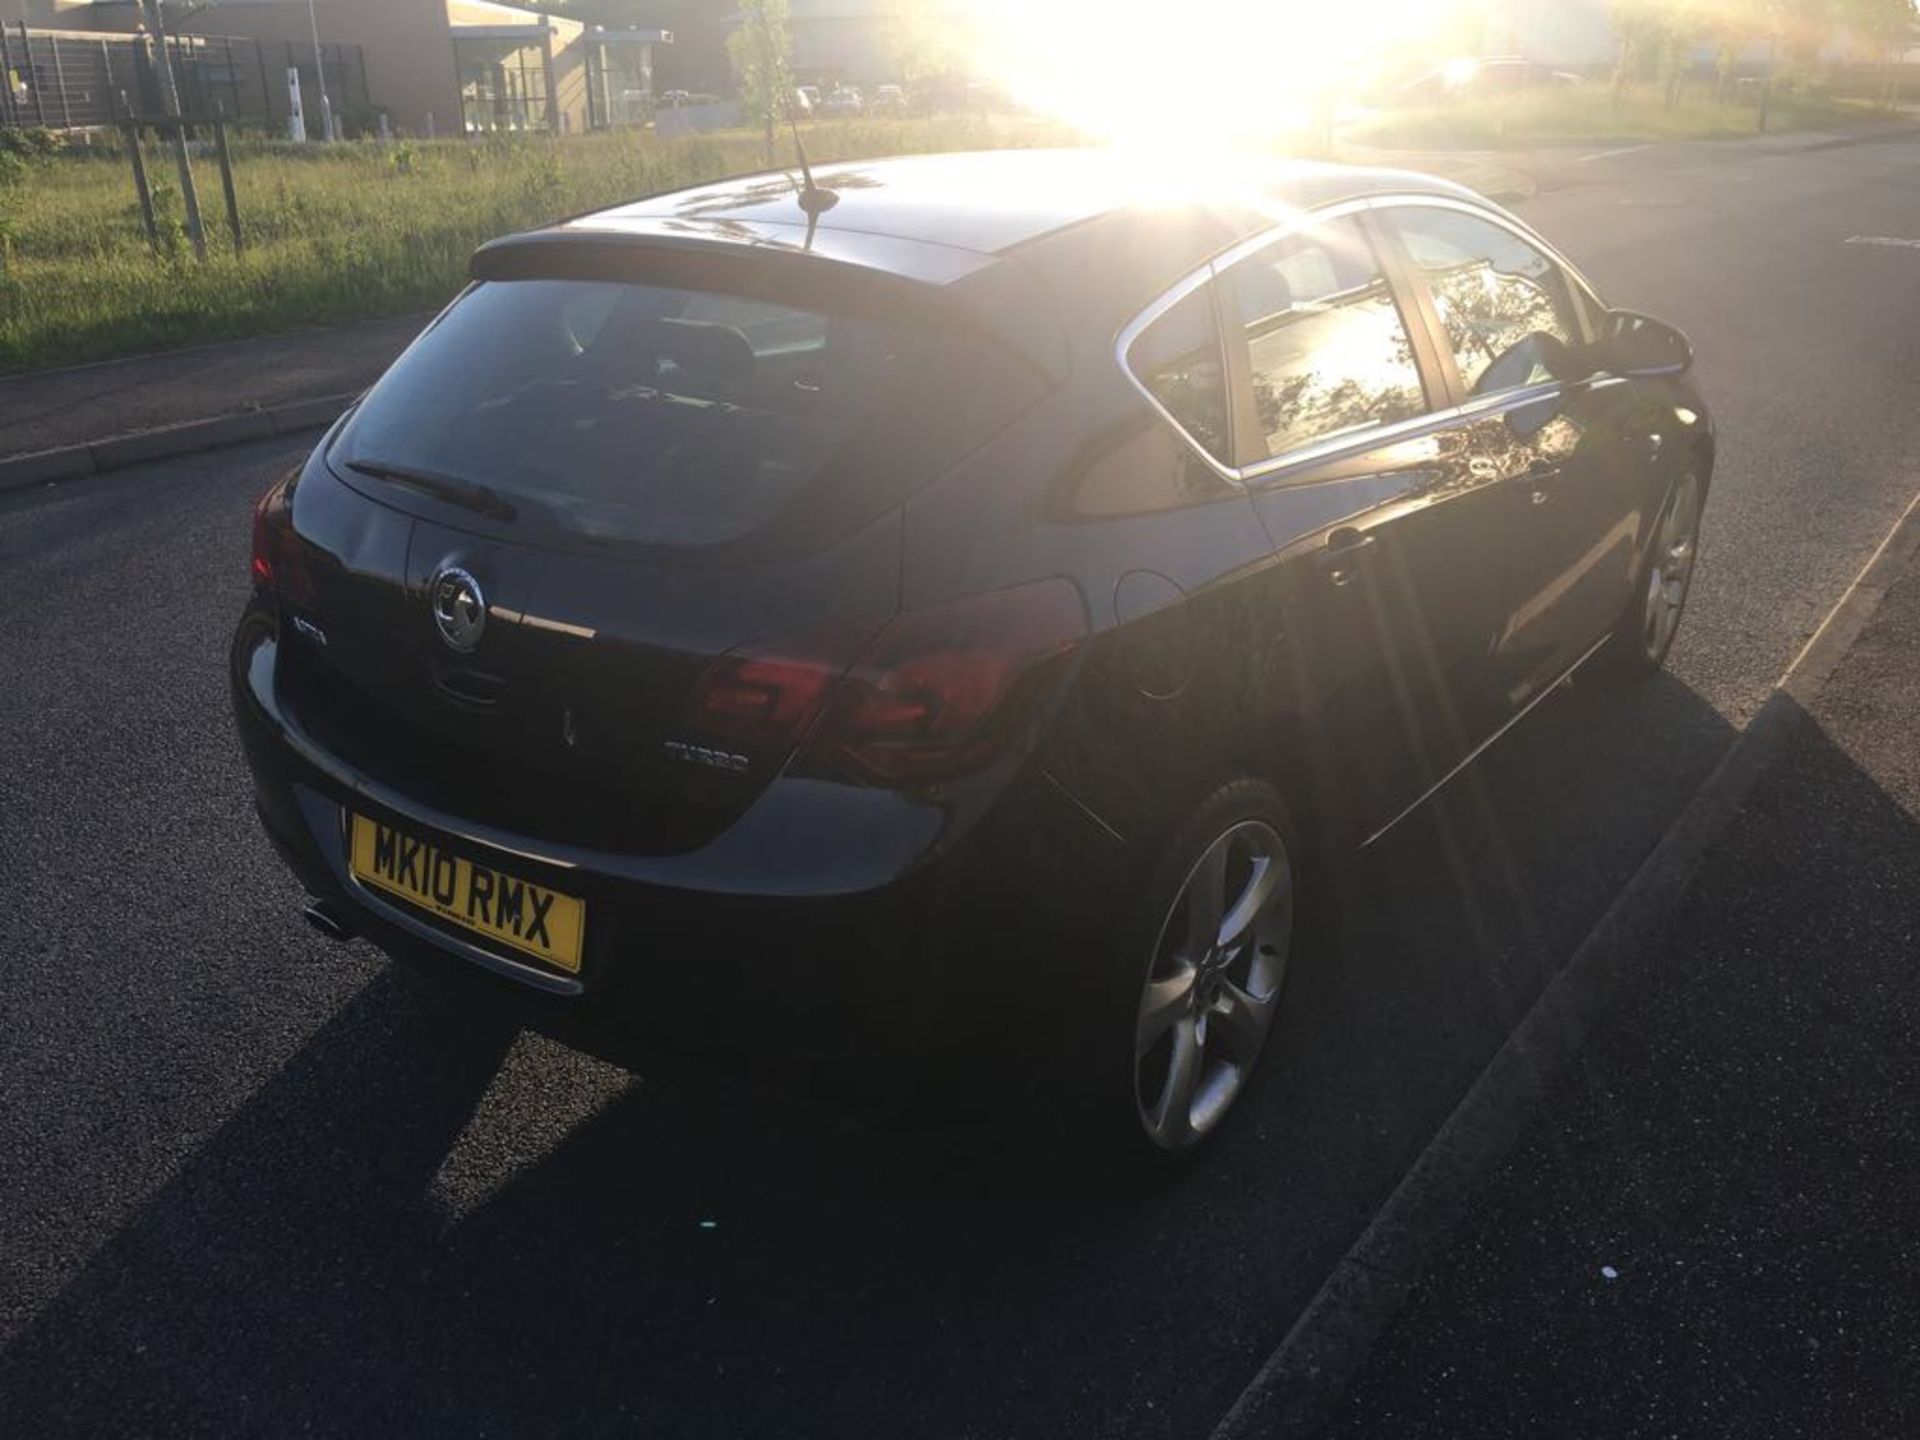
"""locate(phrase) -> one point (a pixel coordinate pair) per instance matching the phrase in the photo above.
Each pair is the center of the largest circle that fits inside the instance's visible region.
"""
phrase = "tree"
(1729, 35)
(1685, 26)
(761, 51)
(1641, 28)
(1885, 28)
(924, 39)
(1662, 35)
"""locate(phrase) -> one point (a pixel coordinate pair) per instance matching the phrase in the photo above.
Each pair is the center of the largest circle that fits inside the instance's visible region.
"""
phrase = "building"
(1574, 33)
(431, 66)
(839, 40)
(83, 79)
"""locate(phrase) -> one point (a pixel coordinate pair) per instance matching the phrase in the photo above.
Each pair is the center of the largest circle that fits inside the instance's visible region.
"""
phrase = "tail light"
(277, 566)
(263, 540)
(770, 695)
(935, 694)
(942, 691)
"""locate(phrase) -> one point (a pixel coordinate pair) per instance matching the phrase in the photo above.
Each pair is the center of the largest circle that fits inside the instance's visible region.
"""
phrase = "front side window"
(1505, 307)
(1178, 360)
(1327, 351)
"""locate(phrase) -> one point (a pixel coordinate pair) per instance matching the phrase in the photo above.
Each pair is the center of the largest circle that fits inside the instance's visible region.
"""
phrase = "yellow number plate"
(530, 918)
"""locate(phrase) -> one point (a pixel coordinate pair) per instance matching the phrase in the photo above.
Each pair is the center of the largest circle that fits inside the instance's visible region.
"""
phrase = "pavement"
(1711, 1231)
(253, 1183)
(84, 404)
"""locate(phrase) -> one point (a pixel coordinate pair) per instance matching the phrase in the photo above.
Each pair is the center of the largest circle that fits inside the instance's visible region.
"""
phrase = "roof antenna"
(815, 200)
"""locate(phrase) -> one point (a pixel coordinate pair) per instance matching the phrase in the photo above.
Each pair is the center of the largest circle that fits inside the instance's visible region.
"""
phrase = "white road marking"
(1613, 154)
(1892, 242)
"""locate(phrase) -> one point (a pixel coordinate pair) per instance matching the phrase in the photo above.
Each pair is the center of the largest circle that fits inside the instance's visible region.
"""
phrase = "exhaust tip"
(326, 921)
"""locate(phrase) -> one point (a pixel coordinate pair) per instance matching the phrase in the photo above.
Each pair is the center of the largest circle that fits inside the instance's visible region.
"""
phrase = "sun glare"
(1159, 77)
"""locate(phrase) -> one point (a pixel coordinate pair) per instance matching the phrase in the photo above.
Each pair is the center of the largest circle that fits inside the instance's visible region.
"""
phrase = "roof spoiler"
(1003, 300)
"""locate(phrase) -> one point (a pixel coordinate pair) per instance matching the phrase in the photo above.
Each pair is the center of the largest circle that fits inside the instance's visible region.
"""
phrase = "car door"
(1569, 447)
(1390, 528)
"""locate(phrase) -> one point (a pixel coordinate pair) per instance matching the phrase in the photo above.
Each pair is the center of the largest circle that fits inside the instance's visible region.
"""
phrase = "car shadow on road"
(694, 1259)
(299, 1274)
(1737, 1138)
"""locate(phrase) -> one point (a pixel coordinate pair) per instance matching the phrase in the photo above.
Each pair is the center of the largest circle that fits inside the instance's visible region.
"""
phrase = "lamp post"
(320, 71)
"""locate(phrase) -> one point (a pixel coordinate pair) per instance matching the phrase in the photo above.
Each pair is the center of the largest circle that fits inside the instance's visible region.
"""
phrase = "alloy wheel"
(1214, 984)
(1674, 550)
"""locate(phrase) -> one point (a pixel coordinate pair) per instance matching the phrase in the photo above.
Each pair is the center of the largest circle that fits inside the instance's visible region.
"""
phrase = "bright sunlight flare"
(1144, 75)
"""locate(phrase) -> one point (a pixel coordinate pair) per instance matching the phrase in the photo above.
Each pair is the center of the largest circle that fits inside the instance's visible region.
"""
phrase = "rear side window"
(1506, 308)
(1327, 351)
(659, 416)
(1178, 360)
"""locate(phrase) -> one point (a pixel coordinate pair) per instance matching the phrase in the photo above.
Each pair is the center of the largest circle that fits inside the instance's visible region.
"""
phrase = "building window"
(619, 83)
(503, 86)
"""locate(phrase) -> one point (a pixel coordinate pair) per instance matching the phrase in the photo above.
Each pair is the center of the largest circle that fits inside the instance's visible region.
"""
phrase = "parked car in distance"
(803, 103)
(844, 100)
(811, 95)
(1470, 78)
(805, 629)
(889, 100)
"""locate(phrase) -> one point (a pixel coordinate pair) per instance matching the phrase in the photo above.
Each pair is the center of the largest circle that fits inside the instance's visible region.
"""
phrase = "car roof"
(981, 204)
(1039, 246)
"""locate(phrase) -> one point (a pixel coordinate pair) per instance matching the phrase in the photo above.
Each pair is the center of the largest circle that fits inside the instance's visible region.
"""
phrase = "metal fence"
(76, 79)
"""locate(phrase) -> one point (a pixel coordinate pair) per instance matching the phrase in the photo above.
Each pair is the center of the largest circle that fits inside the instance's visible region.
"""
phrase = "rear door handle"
(1343, 544)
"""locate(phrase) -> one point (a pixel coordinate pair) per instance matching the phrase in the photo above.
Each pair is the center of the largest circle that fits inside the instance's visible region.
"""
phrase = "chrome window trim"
(1351, 440)
(1333, 446)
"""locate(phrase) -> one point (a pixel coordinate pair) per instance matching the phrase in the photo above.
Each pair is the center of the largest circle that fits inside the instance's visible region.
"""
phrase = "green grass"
(1590, 113)
(348, 231)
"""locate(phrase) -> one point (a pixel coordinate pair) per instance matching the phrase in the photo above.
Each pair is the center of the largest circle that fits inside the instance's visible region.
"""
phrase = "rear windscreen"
(657, 416)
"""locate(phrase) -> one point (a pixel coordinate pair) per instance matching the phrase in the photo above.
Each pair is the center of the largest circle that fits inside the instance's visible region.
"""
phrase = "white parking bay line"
(1891, 242)
(1613, 154)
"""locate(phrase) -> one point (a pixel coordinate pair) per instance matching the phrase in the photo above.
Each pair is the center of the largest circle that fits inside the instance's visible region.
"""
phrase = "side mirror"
(1635, 344)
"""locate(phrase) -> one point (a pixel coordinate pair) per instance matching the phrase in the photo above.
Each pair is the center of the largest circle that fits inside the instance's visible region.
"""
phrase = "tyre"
(1646, 630)
(1199, 966)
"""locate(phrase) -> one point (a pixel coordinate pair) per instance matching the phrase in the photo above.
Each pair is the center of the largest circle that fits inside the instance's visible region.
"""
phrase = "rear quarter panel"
(1184, 662)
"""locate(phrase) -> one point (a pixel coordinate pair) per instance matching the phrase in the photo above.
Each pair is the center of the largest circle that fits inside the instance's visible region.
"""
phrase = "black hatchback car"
(841, 620)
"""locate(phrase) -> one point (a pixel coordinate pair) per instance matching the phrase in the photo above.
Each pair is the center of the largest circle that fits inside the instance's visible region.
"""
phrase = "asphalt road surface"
(252, 1182)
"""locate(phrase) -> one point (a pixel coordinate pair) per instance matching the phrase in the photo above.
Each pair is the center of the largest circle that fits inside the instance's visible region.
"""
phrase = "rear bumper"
(829, 922)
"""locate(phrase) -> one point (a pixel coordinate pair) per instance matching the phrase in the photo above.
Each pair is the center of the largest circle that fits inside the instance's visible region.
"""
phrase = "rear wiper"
(469, 494)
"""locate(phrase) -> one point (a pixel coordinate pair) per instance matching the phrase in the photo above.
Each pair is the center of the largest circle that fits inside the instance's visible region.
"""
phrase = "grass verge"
(1590, 113)
(347, 231)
